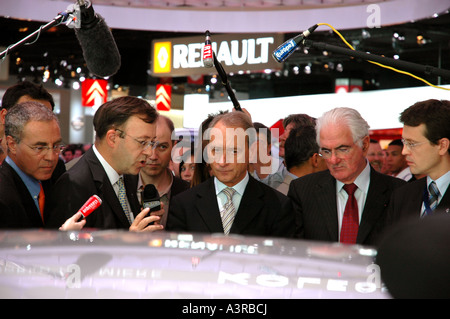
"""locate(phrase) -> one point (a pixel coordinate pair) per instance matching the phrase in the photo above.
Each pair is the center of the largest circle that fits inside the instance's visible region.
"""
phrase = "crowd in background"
(329, 181)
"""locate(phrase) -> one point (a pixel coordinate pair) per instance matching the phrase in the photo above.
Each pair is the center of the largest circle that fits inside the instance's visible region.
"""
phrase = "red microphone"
(208, 59)
(91, 204)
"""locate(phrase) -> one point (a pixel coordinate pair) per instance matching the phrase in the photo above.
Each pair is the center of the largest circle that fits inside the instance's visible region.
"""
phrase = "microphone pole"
(398, 64)
(224, 78)
(61, 17)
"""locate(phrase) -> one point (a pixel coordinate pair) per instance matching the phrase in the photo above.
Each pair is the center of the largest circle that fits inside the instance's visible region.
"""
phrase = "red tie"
(350, 222)
(41, 201)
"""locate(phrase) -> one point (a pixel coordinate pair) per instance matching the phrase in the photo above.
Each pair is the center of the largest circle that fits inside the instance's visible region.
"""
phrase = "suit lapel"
(376, 204)
(327, 203)
(207, 207)
(250, 206)
(111, 203)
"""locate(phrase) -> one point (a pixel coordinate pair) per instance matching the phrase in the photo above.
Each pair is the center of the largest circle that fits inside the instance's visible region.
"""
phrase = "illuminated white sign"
(240, 53)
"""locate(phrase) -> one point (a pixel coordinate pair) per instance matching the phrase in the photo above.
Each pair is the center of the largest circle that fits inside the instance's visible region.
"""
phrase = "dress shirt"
(405, 174)
(113, 177)
(239, 188)
(363, 182)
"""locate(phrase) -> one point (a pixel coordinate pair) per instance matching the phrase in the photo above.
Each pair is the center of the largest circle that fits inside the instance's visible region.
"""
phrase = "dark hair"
(299, 120)
(434, 114)
(397, 142)
(261, 128)
(35, 91)
(115, 113)
(300, 145)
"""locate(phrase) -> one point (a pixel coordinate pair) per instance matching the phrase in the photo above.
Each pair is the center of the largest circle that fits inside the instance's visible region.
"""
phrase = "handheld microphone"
(97, 42)
(208, 60)
(287, 48)
(91, 204)
(150, 198)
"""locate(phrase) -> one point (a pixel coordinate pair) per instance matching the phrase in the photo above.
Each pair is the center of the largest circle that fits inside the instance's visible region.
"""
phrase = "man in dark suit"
(26, 91)
(232, 202)
(33, 140)
(346, 203)
(426, 138)
(125, 128)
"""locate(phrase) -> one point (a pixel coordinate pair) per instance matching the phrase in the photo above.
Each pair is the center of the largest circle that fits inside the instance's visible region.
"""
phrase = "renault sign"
(239, 52)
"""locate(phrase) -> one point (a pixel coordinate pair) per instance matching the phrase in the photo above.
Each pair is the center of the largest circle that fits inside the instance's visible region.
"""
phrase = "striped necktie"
(122, 195)
(229, 211)
(434, 195)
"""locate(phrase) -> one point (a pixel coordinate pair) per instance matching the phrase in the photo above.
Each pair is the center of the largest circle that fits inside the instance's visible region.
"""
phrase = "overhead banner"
(237, 52)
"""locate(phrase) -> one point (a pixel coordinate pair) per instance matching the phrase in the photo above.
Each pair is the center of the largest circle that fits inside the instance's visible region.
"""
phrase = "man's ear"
(444, 145)
(11, 144)
(111, 137)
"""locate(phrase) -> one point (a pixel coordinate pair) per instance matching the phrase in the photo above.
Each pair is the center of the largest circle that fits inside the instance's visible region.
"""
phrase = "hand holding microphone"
(77, 221)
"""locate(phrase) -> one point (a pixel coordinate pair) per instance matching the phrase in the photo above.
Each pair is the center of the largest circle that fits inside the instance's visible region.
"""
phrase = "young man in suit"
(232, 202)
(125, 129)
(426, 138)
(33, 140)
(346, 203)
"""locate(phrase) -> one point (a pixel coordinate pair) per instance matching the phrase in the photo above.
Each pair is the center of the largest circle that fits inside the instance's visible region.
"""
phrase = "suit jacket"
(17, 207)
(86, 178)
(315, 203)
(406, 202)
(262, 211)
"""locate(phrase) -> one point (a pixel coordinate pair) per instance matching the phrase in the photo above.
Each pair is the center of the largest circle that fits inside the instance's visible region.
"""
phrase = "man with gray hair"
(346, 203)
(34, 143)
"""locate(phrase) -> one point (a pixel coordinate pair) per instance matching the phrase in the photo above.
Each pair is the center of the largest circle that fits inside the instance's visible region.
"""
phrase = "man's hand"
(141, 222)
(73, 224)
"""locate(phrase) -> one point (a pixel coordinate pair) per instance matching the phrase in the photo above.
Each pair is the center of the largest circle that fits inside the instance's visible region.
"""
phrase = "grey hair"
(344, 116)
(20, 114)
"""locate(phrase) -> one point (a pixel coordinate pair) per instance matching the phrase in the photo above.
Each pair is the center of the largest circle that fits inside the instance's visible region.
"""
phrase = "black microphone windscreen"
(99, 49)
(150, 192)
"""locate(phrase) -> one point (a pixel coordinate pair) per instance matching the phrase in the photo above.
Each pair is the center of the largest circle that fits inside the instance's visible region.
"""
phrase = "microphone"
(91, 204)
(150, 198)
(287, 48)
(208, 60)
(97, 43)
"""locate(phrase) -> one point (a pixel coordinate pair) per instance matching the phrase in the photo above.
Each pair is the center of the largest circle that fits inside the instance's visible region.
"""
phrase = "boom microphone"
(208, 60)
(97, 43)
(287, 48)
(150, 198)
(91, 204)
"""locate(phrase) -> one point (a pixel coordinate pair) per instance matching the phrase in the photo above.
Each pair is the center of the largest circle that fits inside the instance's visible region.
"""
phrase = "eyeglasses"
(144, 144)
(43, 150)
(340, 152)
(410, 145)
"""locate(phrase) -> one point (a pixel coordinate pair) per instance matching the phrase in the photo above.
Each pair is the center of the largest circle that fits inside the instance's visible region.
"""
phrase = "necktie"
(123, 199)
(229, 211)
(350, 222)
(434, 195)
(41, 200)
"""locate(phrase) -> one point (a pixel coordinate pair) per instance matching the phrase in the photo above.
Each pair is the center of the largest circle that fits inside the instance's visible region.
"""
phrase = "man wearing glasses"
(125, 129)
(33, 140)
(426, 139)
(346, 203)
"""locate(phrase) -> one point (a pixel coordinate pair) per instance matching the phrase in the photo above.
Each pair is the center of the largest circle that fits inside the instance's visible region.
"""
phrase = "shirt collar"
(362, 181)
(239, 187)
(442, 182)
(30, 182)
(113, 176)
